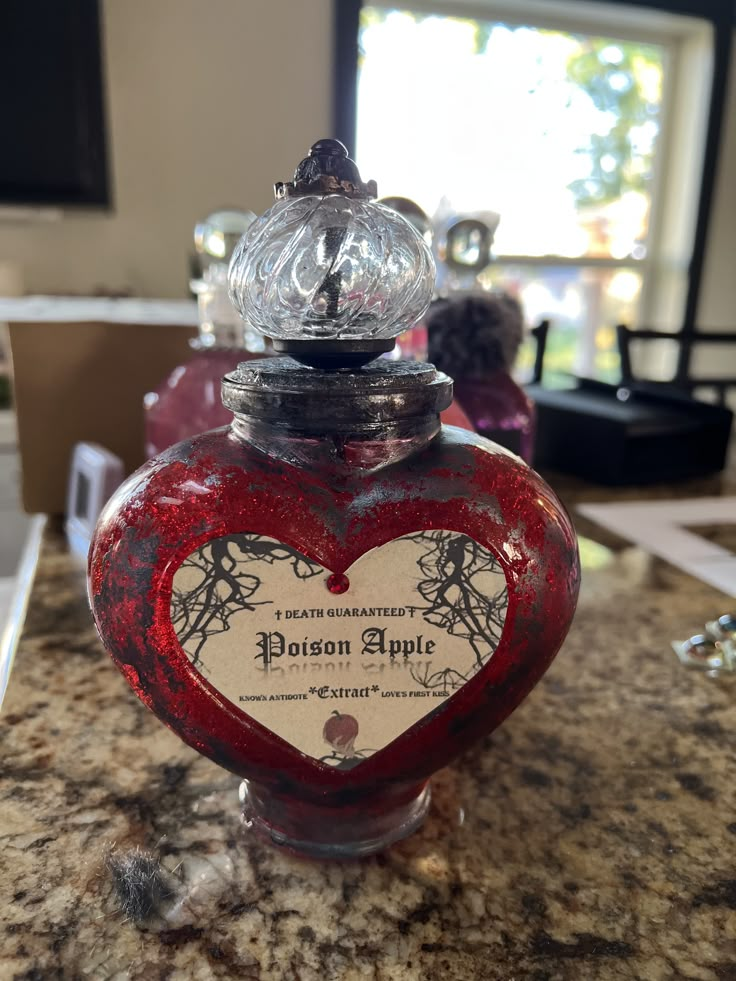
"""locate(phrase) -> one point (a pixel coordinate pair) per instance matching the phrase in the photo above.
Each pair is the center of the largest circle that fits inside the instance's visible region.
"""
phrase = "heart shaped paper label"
(339, 666)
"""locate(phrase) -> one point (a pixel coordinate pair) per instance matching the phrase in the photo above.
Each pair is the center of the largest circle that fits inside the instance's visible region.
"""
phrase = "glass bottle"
(336, 596)
(465, 248)
(412, 344)
(188, 400)
(474, 337)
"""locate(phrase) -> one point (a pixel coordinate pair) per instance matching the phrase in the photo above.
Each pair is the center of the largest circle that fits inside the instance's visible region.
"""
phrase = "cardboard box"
(84, 381)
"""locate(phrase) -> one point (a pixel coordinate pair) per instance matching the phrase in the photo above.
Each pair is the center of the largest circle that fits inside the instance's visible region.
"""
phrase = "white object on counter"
(10, 629)
(661, 527)
(94, 476)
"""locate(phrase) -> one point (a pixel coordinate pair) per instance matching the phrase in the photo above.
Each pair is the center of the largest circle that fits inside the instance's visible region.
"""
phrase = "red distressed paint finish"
(216, 484)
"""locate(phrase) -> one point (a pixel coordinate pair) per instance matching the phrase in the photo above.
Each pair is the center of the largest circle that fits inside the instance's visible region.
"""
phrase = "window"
(559, 128)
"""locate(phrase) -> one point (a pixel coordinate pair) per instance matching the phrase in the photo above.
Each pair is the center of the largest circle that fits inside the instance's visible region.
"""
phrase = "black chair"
(688, 341)
(539, 333)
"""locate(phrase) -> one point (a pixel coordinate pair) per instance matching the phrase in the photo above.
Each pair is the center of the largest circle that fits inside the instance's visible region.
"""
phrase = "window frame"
(637, 24)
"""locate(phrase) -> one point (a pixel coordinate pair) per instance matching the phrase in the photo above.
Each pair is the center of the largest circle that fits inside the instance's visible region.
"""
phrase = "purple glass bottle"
(474, 338)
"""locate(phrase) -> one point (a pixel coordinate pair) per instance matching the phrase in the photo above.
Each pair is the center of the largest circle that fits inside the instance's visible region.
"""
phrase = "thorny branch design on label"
(223, 585)
(460, 583)
(455, 577)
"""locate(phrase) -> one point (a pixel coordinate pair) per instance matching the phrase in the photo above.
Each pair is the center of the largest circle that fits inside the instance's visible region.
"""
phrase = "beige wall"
(717, 306)
(209, 101)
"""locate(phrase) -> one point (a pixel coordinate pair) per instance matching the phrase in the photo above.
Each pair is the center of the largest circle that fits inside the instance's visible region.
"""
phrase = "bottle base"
(335, 836)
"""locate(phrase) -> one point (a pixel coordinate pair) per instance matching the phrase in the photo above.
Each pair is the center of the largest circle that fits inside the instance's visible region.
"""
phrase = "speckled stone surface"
(592, 837)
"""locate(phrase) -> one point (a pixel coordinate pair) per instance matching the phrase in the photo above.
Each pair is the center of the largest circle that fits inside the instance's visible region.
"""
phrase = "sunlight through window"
(555, 132)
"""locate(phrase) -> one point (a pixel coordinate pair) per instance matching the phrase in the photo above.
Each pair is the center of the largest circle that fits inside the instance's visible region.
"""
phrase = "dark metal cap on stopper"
(327, 170)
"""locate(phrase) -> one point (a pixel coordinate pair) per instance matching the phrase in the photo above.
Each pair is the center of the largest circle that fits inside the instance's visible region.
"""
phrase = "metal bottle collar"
(381, 395)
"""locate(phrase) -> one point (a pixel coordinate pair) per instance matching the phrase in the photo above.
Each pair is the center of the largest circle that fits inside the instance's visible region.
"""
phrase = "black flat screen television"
(52, 131)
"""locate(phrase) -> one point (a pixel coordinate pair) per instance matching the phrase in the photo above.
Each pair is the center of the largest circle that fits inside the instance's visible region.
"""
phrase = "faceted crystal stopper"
(327, 266)
(468, 245)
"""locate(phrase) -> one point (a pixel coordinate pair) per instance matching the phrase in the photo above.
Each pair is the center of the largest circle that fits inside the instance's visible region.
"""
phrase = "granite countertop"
(591, 837)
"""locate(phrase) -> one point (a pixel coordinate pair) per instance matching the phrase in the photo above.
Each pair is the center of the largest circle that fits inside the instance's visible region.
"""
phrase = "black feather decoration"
(140, 883)
(471, 335)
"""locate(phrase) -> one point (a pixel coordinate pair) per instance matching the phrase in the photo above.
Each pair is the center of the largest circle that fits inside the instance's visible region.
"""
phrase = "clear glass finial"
(216, 236)
(326, 263)
(415, 215)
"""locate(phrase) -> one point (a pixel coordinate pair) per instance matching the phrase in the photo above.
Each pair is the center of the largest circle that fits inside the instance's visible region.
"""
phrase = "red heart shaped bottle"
(337, 595)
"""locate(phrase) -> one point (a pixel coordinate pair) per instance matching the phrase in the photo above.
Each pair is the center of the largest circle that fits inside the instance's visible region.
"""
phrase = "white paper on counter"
(662, 528)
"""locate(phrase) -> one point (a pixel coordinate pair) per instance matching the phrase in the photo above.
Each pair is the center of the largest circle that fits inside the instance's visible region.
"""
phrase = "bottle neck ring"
(363, 419)
(314, 401)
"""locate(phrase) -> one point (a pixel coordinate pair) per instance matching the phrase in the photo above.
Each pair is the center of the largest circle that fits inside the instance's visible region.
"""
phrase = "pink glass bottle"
(188, 401)
(474, 337)
(337, 595)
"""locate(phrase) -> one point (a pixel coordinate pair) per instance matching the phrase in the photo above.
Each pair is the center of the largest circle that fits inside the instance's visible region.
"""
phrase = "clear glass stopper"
(326, 263)
(216, 236)
(415, 215)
